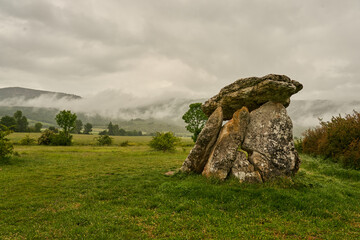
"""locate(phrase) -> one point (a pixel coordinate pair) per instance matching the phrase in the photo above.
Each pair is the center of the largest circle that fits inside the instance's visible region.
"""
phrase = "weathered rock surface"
(199, 155)
(243, 170)
(252, 92)
(269, 141)
(253, 146)
(225, 150)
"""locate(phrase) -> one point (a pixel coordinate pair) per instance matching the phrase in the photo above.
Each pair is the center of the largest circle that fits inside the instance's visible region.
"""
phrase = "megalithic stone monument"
(256, 144)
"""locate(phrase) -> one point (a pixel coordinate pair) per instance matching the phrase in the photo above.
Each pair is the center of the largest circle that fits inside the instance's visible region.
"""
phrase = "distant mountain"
(27, 93)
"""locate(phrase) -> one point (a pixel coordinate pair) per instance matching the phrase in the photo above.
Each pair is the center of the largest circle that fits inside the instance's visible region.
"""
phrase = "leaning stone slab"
(269, 141)
(252, 92)
(199, 155)
(225, 150)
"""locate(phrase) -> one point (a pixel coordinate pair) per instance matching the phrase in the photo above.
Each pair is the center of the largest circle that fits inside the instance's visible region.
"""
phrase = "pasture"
(91, 192)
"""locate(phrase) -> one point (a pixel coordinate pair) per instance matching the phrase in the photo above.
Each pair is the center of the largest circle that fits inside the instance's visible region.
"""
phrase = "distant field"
(84, 139)
(92, 192)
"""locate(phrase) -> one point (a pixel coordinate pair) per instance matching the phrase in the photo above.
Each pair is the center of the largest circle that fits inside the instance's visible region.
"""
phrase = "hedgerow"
(338, 139)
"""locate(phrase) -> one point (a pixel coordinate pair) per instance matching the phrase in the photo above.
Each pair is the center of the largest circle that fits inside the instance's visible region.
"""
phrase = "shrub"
(54, 129)
(352, 155)
(61, 139)
(124, 144)
(104, 140)
(46, 137)
(164, 141)
(314, 141)
(336, 139)
(27, 140)
(298, 142)
(49, 137)
(6, 147)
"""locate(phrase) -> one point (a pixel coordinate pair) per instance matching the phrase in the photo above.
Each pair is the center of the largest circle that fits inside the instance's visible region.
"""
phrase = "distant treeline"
(114, 130)
(19, 123)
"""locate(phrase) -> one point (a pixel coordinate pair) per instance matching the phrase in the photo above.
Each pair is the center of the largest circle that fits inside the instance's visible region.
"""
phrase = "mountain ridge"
(29, 93)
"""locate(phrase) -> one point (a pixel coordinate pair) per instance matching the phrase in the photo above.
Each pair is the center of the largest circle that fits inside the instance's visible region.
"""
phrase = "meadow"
(91, 192)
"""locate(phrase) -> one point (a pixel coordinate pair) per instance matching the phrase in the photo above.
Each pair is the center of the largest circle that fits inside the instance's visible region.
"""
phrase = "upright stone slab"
(199, 155)
(224, 152)
(269, 141)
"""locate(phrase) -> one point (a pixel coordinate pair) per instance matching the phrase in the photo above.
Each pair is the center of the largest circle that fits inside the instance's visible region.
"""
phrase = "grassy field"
(91, 192)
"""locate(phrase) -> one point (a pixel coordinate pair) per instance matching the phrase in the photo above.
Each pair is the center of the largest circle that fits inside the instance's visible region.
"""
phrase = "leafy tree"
(8, 122)
(38, 127)
(195, 119)
(78, 126)
(111, 129)
(21, 122)
(164, 141)
(66, 120)
(6, 147)
(88, 128)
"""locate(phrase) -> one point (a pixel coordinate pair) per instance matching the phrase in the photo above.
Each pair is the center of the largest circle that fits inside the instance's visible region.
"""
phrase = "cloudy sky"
(179, 48)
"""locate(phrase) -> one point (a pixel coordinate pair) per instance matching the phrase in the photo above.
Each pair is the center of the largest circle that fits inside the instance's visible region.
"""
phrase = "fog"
(111, 104)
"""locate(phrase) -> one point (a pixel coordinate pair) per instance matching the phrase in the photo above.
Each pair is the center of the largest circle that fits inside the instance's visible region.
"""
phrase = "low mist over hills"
(147, 115)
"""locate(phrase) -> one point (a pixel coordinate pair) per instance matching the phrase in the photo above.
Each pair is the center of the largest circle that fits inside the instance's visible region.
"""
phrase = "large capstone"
(252, 93)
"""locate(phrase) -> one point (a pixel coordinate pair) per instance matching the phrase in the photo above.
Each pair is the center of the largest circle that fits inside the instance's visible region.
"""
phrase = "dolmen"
(256, 142)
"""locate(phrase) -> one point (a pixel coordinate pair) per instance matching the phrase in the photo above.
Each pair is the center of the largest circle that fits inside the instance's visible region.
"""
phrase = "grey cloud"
(148, 48)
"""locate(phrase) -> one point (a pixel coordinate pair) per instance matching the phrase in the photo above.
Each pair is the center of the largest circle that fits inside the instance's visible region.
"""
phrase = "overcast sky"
(188, 48)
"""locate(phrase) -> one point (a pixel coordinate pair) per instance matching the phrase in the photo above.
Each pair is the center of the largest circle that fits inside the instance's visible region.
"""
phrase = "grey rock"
(225, 150)
(199, 155)
(243, 170)
(252, 92)
(269, 141)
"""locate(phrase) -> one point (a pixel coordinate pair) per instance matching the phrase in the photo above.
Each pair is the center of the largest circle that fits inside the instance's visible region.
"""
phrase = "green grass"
(91, 192)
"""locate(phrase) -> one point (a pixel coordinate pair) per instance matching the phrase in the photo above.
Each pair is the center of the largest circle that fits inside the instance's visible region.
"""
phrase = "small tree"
(66, 120)
(111, 129)
(21, 122)
(8, 122)
(164, 141)
(6, 147)
(78, 126)
(195, 119)
(38, 127)
(87, 128)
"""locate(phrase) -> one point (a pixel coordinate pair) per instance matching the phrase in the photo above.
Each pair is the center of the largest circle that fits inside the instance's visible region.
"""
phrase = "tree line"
(114, 130)
(19, 123)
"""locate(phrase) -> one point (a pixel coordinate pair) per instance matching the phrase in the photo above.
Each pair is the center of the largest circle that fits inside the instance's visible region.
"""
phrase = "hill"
(27, 93)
